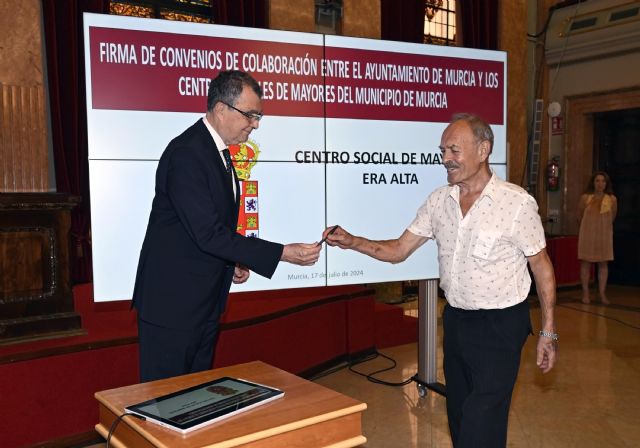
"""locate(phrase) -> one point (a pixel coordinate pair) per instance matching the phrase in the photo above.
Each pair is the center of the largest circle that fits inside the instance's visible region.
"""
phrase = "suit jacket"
(191, 246)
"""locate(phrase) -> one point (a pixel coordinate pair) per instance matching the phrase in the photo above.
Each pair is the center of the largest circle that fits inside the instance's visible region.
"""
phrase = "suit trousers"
(167, 352)
(481, 359)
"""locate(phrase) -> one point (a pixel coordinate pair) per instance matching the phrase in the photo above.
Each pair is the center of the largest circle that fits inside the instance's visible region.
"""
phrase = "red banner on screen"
(152, 71)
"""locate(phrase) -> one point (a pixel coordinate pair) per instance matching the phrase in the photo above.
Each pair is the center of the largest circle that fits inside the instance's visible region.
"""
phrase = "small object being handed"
(333, 229)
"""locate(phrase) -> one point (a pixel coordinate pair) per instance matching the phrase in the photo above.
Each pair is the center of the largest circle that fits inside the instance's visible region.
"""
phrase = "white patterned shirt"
(482, 255)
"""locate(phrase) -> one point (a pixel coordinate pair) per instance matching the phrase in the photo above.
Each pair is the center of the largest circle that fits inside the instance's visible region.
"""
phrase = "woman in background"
(596, 212)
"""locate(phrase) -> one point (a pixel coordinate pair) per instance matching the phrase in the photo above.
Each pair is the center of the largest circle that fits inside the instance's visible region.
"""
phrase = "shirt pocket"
(483, 245)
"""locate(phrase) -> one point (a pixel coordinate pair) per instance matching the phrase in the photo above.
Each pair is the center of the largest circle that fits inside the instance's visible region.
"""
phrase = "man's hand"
(338, 237)
(392, 251)
(240, 274)
(546, 353)
(542, 270)
(302, 254)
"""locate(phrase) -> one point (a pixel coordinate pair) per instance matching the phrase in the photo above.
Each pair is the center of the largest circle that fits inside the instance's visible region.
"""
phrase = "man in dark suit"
(191, 251)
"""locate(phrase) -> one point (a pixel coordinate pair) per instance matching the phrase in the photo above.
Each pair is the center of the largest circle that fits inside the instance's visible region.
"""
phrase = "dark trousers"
(481, 360)
(167, 352)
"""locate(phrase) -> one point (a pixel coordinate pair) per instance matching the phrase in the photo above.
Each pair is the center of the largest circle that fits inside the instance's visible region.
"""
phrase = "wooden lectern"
(309, 415)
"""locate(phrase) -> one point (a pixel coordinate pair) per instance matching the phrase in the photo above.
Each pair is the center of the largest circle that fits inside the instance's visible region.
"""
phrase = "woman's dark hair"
(590, 187)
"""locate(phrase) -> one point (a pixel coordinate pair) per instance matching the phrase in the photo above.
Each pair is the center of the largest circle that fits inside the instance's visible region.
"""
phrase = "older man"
(486, 230)
(191, 252)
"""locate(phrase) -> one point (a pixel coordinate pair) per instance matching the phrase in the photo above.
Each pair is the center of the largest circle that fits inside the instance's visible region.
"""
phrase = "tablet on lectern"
(206, 403)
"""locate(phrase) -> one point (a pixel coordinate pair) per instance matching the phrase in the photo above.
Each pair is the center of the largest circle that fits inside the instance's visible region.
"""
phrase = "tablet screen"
(192, 408)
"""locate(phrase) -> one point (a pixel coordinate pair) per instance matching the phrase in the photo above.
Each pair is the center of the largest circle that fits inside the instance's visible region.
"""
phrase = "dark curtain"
(65, 69)
(250, 13)
(402, 20)
(479, 20)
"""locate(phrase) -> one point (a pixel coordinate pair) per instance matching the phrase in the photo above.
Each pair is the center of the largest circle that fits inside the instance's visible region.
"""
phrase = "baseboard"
(67, 349)
(75, 441)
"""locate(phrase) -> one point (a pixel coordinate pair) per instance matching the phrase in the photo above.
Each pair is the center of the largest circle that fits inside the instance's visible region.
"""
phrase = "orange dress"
(595, 239)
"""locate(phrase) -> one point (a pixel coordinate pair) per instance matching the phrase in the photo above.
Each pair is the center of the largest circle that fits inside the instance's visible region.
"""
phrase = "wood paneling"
(23, 148)
(35, 290)
(21, 60)
(21, 255)
(23, 143)
(362, 18)
(292, 15)
(512, 29)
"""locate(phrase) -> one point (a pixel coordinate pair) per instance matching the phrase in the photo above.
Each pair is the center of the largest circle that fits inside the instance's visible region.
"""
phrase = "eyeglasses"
(248, 115)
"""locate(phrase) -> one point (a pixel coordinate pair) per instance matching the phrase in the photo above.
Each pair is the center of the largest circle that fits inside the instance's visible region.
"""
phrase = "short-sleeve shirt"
(482, 255)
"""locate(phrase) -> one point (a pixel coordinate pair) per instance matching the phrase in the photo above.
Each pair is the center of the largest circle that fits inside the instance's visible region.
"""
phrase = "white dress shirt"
(221, 146)
(482, 255)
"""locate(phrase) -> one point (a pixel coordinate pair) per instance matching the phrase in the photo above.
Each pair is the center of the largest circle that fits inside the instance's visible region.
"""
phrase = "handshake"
(306, 254)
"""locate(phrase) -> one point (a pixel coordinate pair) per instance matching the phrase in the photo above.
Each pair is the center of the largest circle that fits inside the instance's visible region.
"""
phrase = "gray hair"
(481, 130)
(228, 86)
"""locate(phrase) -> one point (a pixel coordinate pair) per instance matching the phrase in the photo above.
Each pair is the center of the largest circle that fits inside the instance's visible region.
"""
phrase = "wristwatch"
(547, 334)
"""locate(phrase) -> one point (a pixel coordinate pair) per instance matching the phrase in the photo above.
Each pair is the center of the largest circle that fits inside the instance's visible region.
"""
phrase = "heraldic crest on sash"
(244, 157)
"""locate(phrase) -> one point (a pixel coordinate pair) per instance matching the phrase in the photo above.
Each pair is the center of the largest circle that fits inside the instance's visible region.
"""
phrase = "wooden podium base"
(309, 415)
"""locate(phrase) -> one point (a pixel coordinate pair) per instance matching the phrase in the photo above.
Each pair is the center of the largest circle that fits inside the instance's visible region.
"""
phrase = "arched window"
(200, 11)
(440, 22)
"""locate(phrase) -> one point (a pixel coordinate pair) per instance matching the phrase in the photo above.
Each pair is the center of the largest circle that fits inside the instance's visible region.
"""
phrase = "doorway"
(616, 150)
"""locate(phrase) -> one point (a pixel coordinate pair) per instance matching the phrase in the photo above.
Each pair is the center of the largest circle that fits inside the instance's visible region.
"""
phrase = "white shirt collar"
(216, 137)
(488, 190)
(221, 146)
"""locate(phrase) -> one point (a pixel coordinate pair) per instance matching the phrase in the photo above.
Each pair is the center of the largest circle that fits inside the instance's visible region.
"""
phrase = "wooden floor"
(591, 398)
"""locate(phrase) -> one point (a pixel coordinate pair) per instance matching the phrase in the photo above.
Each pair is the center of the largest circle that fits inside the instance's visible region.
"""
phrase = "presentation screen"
(350, 137)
